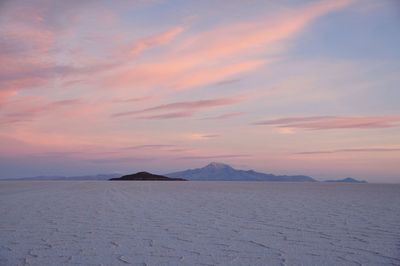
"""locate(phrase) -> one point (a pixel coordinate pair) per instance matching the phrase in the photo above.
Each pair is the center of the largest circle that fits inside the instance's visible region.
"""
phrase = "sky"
(284, 87)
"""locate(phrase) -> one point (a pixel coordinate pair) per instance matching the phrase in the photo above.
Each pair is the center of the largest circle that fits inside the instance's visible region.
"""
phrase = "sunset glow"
(285, 87)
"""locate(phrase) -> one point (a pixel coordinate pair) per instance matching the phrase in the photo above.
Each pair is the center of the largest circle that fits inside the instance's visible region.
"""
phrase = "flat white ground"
(198, 223)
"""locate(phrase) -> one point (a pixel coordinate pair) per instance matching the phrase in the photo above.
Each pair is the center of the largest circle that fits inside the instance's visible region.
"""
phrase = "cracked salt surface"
(198, 223)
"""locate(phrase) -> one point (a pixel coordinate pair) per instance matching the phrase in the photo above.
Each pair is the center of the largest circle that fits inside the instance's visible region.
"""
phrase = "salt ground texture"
(198, 223)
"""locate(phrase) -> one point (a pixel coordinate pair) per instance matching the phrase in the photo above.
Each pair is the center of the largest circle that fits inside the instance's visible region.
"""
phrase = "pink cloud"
(353, 150)
(130, 159)
(25, 46)
(200, 136)
(209, 136)
(132, 100)
(210, 157)
(224, 116)
(57, 54)
(333, 122)
(289, 120)
(33, 111)
(150, 146)
(175, 74)
(33, 36)
(197, 60)
(187, 108)
(171, 115)
(165, 37)
(6, 93)
(27, 141)
(240, 38)
(217, 54)
(207, 75)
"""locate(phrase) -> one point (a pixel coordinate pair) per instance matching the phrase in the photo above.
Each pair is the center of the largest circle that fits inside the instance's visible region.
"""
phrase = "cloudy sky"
(286, 87)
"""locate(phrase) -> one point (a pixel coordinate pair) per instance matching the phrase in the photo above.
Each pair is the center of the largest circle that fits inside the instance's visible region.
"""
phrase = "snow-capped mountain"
(220, 171)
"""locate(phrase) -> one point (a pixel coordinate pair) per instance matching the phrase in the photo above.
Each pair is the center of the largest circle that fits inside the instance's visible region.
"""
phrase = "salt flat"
(198, 223)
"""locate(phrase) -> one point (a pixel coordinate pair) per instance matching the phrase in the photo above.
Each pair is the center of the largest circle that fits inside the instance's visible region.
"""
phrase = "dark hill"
(346, 180)
(144, 176)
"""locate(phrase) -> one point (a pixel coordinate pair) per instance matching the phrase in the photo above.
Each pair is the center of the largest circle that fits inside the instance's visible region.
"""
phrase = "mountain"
(346, 180)
(99, 177)
(145, 176)
(224, 172)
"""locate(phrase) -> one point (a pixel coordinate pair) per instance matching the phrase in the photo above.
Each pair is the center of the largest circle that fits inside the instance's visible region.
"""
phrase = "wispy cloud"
(217, 54)
(333, 122)
(184, 73)
(172, 115)
(120, 160)
(290, 120)
(362, 150)
(210, 136)
(132, 100)
(138, 46)
(199, 136)
(224, 116)
(209, 157)
(243, 37)
(197, 58)
(227, 82)
(180, 109)
(223, 52)
(33, 111)
(150, 146)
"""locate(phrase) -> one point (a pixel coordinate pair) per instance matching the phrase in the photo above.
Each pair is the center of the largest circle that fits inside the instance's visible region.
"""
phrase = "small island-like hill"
(145, 176)
(346, 180)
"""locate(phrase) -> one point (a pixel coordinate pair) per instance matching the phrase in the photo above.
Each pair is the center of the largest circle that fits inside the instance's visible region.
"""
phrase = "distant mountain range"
(211, 172)
(346, 180)
(223, 172)
(145, 176)
(99, 177)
